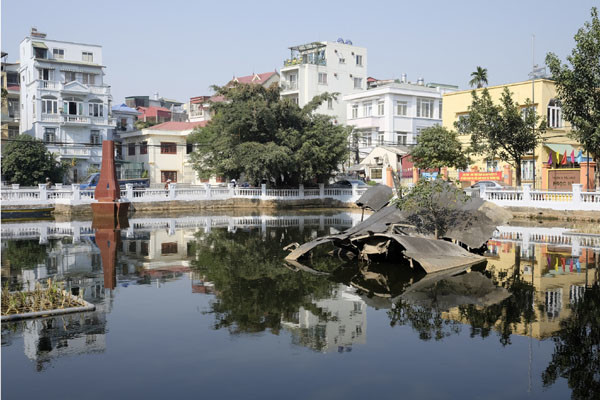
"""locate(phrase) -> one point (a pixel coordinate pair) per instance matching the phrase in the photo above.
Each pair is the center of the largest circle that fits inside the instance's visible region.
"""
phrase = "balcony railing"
(287, 85)
(57, 85)
(307, 60)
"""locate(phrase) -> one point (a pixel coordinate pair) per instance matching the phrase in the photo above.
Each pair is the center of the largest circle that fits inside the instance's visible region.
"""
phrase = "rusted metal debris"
(391, 234)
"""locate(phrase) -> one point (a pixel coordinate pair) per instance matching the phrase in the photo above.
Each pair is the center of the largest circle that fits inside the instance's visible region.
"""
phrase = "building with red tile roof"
(154, 114)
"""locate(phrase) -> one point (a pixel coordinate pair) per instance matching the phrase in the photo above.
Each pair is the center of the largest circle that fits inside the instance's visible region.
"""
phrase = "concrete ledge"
(181, 205)
(547, 214)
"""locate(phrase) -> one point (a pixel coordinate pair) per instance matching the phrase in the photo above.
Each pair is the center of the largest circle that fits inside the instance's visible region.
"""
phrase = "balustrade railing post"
(263, 191)
(301, 190)
(172, 190)
(76, 192)
(321, 190)
(43, 192)
(482, 192)
(129, 191)
(354, 190)
(208, 192)
(231, 190)
(577, 187)
(526, 192)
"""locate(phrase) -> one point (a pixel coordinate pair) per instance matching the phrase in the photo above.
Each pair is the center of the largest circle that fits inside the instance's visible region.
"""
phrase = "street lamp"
(536, 72)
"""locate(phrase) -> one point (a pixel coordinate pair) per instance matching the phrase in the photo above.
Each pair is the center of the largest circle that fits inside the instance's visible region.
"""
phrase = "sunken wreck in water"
(399, 236)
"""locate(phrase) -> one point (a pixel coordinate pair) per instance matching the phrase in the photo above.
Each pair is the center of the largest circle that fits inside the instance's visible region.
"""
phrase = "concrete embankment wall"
(178, 205)
(559, 215)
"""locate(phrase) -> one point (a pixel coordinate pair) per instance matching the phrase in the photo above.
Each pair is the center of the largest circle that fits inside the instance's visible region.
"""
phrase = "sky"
(179, 48)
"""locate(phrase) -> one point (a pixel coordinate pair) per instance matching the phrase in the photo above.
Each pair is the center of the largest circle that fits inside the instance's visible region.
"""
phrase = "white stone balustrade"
(555, 200)
(73, 195)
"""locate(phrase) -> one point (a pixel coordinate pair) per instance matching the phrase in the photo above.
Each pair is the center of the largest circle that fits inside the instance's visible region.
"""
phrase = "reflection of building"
(341, 323)
(10, 103)
(558, 265)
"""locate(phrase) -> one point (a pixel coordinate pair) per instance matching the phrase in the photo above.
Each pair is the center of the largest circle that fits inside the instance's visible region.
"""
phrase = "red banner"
(480, 176)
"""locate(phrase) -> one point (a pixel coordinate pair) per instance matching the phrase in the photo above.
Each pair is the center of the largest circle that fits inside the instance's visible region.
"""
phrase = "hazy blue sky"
(179, 48)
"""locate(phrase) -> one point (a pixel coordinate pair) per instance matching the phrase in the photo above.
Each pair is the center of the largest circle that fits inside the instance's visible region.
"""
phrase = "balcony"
(77, 120)
(287, 86)
(293, 62)
(60, 86)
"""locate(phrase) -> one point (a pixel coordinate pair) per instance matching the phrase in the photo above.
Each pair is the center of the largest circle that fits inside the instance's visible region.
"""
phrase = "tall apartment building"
(319, 67)
(64, 100)
(394, 112)
(10, 103)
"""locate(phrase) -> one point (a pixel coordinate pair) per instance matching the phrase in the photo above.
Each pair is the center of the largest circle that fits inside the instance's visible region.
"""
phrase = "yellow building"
(555, 140)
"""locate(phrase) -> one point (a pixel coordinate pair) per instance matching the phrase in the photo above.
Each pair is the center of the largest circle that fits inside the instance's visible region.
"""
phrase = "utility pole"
(533, 97)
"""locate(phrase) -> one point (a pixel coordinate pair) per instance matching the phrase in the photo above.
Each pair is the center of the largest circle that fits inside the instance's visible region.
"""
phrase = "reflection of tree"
(577, 348)
(518, 308)
(23, 254)
(253, 289)
(426, 320)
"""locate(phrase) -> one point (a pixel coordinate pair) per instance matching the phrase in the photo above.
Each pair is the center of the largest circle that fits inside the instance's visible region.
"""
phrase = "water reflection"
(538, 282)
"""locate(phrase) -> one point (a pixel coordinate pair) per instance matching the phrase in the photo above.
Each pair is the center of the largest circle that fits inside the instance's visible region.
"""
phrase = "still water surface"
(204, 306)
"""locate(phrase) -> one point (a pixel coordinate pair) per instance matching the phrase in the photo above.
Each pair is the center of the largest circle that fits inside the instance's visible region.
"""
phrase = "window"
(13, 108)
(73, 106)
(132, 247)
(88, 79)
(168, 148)
(330, 104)
(144, 249)
(554, 114)
(357, 83)
(440, 110)
(527, 170)
(401, 107)
(50, 135)
(87, 56)
(342, 60)
(189, 148)
(95, 137)
(49, 106)
(59, 54)
(365, 139)
(354, 111)
(131, 149)
(168, 248)
(96, 109)
(424, 108)
(526, 110)
(45, 74)
(13, 132)
(166, 175)
(375, 173)
(419, 129)
(492, 166)
(367, 109)
(359, 60)
(322, 78)
(401, 138)
(70, 76)
(380, 139)
(40, 53)
(144, 148)
(381, 107)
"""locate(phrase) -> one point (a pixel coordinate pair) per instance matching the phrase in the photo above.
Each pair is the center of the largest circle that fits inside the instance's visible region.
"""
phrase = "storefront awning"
(561, 148)
(39, 45)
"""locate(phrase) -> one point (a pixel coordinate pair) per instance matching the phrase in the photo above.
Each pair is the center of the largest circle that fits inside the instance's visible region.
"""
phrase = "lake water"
(204, 306)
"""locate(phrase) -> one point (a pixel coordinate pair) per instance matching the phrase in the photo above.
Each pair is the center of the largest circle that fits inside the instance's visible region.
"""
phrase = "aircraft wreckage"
(397, 236)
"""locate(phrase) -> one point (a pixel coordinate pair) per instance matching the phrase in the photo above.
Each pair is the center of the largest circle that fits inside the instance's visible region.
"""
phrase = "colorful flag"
(549, 159)
(556, 265)
(571, 266)
(573, 156)
(562, 260)
(557, 158)
(564, 159)
(580, 157)
(578, 266)
(549, 259)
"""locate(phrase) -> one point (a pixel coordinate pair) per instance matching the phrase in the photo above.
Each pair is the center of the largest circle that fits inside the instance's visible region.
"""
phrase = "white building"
(394, 113)
(319, 67)
(163, 151)
(64, 99)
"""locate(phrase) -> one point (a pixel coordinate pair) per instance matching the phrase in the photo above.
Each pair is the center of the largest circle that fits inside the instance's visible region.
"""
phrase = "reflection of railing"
(73, 195)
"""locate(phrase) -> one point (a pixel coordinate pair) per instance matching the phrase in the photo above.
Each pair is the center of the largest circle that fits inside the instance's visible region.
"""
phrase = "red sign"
(480, 176)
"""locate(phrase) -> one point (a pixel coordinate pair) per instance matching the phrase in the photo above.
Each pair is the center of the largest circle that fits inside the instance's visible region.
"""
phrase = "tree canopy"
(439, 147)
(258, 134)
(478, 77)
(507, 130)
(27, 161)
(578, 87)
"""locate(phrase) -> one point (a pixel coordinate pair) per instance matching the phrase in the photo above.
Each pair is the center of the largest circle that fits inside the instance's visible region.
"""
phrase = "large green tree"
(578, 87)
(507, 130)
(439, 147)
(479, 77)
(27, 161)
(258, 134)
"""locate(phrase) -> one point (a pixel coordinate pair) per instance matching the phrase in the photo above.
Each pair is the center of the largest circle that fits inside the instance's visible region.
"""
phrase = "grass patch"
(51, 297)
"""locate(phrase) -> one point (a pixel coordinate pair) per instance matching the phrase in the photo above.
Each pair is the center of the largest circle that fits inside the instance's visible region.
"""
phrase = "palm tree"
(479, 77)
